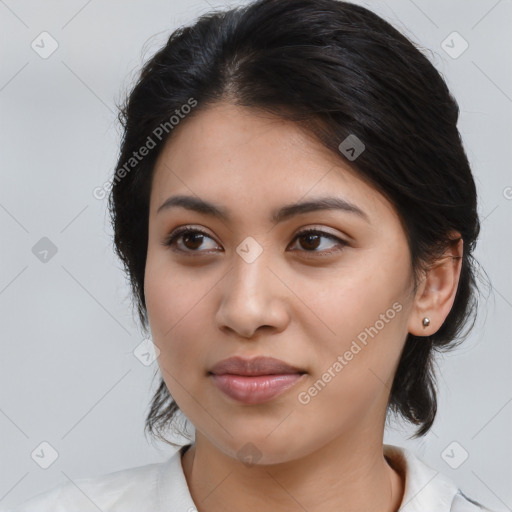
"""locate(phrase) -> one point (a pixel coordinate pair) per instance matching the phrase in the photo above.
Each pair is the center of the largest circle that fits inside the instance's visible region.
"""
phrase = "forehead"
(236, 155)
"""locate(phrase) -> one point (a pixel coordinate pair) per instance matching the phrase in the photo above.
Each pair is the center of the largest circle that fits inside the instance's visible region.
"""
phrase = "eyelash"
(170, 240)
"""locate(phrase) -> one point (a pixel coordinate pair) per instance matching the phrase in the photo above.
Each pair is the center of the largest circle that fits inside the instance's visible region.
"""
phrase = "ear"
(436, 293)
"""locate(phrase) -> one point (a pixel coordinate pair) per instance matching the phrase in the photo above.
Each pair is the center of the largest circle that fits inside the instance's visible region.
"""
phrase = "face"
(333, 303)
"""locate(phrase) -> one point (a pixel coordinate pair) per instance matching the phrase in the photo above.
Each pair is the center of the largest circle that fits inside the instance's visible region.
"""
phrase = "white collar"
(425, 487)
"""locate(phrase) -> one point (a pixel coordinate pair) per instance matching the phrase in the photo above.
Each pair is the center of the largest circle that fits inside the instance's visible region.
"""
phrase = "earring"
(426, 321)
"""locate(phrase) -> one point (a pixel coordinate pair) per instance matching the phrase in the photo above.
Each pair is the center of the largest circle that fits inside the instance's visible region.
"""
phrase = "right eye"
(193, 237)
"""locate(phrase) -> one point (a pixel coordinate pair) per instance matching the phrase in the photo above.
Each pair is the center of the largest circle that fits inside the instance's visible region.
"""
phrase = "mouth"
(254, 381)
(255, 366)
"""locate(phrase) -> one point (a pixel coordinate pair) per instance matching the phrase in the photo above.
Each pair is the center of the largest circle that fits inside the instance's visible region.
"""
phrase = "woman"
(296, 213)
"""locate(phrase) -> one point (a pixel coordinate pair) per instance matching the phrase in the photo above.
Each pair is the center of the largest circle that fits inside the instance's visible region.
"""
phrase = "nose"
(253, 297)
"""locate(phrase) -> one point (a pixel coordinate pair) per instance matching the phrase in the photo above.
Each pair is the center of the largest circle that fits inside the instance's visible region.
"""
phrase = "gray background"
(68, 374)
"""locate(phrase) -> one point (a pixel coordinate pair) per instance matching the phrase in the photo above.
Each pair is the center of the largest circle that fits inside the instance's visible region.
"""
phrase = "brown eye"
(195, 239)
(311, 240)
(192, 239)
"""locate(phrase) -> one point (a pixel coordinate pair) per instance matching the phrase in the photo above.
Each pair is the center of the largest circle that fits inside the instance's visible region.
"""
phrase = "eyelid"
(319, 228)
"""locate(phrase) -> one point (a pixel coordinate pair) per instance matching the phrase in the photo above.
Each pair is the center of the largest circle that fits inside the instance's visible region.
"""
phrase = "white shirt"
(162, 487)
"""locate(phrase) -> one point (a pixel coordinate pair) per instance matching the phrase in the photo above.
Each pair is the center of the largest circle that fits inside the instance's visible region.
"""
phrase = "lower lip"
(254, 389)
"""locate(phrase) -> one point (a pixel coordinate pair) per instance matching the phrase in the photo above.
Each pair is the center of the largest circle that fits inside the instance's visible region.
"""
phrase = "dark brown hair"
(336, 69)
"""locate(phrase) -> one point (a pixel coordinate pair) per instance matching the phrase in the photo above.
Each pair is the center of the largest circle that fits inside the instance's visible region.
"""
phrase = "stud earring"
(426, 321)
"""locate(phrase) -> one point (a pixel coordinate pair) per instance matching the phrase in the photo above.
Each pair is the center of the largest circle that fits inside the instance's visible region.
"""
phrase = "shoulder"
(426, 488)
(133, 489)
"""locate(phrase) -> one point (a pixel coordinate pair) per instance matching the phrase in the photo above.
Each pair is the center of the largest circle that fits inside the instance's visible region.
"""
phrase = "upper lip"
(255, 366)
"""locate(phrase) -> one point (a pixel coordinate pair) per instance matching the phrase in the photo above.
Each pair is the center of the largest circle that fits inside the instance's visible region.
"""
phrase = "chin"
(262, 449)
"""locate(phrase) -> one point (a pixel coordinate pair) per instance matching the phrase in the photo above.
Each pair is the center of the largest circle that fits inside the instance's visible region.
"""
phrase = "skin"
(294, 302)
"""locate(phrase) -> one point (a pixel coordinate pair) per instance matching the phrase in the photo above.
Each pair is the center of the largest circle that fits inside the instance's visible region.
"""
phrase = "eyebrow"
(286, 212)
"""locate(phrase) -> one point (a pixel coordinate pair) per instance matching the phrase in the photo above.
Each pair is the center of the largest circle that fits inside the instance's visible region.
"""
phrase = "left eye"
(313, 237)
(311, 240)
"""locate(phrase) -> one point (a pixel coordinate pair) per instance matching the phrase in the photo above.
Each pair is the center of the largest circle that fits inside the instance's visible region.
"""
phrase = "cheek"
(169, 294)
(174, 305)
(174, 308)
(364, 319)
(354, 374)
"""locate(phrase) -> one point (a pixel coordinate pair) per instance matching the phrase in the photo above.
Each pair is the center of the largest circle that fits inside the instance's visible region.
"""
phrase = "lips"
(254, 381)
(254, 366)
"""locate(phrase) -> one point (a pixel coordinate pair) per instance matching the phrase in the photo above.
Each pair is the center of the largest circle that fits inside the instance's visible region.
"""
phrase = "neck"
(341, 475)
